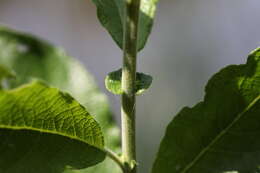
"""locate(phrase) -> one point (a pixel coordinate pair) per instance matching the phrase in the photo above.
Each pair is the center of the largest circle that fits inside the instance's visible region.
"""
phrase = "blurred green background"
(191, 40)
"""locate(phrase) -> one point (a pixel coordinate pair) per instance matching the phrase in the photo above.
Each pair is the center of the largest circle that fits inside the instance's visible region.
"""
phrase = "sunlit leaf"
(33, 58)
(45, 130)
(222, 133)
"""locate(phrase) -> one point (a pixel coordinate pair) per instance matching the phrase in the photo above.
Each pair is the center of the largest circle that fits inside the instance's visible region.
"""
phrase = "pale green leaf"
(113, 82)
(110, 14)
(45, 130)
(222, 133)
(5, 72)
(33, 58)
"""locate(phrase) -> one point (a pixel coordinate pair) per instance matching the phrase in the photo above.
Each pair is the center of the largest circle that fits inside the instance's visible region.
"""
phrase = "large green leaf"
(44, 130)
(222, 133)
(32, 58)
(110, 14)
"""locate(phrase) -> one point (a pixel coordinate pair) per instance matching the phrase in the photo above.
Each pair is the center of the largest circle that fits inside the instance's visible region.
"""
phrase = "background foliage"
(32, 58)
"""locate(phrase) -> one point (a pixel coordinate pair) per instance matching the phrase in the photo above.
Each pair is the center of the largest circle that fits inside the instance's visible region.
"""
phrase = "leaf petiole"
(115, 157)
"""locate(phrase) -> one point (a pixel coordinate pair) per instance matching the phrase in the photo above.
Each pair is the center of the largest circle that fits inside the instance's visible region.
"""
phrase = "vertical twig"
(128, 83)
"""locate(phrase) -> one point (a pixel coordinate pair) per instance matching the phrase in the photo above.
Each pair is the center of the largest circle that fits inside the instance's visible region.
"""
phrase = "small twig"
(115, 158)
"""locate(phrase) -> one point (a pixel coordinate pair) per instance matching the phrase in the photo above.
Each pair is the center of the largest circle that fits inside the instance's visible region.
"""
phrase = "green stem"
(128, 84)
(115, 158)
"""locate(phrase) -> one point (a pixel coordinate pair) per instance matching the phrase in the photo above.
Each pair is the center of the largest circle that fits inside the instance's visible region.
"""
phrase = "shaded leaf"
(113, 82)
(222, 133)
(33, 58)
(44, 129)
(5, 72)
(110, 14)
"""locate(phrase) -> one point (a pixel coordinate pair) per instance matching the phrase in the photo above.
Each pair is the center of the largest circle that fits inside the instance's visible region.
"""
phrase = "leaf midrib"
(18, 128)
(221, 134)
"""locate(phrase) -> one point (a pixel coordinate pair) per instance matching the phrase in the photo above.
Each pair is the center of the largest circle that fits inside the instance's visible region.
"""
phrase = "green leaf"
(222, 133)
(33, 58)
(5, 72)
(44, 129)
(110, 14)
(113, 82)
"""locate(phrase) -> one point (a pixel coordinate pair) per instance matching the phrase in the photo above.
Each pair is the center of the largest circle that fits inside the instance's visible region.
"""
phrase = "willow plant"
(54, 119)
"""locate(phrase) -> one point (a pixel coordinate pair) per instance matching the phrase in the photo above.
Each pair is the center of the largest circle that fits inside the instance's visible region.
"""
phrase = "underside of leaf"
(111, 12)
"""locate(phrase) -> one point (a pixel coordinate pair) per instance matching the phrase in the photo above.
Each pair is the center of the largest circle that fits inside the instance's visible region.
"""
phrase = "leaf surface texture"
(46, 130)
(33, 58)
